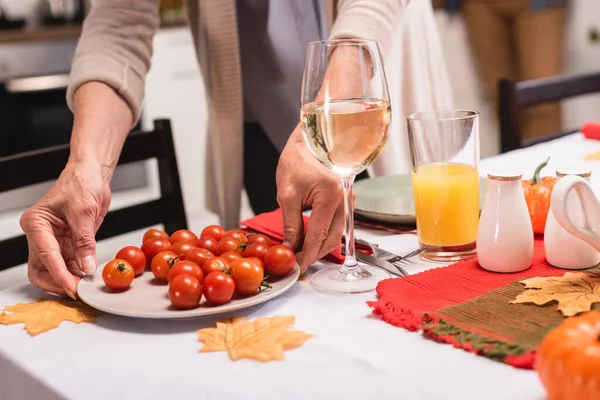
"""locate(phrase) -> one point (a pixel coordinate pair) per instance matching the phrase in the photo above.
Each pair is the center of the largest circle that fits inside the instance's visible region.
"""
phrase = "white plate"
(147, 298)
(390, 199)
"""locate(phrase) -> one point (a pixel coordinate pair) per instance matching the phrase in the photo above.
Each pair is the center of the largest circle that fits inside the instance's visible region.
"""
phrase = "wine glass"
(345, 119)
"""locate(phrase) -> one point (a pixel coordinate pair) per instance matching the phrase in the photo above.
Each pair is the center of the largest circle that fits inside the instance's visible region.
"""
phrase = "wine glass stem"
(350, 264)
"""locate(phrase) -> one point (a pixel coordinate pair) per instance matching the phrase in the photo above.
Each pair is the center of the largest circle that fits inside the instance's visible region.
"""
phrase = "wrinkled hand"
(61, 228)
(303, 181)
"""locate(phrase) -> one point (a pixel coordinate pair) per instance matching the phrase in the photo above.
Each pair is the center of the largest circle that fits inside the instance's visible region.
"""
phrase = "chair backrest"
(514, 96)
(47, 164)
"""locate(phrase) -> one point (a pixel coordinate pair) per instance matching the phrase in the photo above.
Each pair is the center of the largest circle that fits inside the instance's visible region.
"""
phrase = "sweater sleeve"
(116, 48)
(368, 19)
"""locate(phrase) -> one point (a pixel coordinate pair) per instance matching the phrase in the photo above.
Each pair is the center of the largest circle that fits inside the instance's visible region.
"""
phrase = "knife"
(376, 262)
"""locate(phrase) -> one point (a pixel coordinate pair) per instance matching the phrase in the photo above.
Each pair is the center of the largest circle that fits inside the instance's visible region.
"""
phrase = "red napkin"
(271, 224)
(591, 130)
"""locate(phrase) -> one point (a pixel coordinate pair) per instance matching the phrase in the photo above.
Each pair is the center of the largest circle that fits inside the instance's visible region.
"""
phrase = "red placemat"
(469, 307)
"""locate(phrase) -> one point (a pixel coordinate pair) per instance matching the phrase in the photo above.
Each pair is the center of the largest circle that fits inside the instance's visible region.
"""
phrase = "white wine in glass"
(345, 118)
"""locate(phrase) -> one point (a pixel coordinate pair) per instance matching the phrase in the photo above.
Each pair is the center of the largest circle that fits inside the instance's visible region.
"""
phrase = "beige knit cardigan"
(116, 48)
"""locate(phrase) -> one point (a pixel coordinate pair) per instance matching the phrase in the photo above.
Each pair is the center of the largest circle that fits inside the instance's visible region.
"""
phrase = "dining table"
(353, 354)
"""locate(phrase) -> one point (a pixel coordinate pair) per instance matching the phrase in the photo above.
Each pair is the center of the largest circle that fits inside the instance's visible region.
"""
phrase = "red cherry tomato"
(185, 267)
(198, 256)
(182, 247)
(162, 263)
(247, 276)
(218, 288)
(238, 234)
(215, 264)
(259, 238)
(230, 256)
(154, 233)
(258, 261)
(279, 260)
(183, 235)
(215, 231)
(256, 249)
(153, 246)
(118, 274)
(229, 243)
(208, 243)
(185, 292)
(135, 257)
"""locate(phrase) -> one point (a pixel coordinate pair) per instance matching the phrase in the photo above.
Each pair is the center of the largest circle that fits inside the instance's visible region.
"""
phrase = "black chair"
(46, 165)
(515, 96)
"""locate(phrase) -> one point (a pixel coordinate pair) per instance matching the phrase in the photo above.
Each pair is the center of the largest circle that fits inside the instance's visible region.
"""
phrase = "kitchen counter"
(59, 32)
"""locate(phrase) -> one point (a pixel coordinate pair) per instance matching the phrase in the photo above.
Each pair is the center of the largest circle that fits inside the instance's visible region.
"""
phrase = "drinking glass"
(444, 148)
(345, 119)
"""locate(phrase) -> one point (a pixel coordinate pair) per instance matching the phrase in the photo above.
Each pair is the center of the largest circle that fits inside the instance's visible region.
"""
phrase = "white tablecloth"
(353, 356)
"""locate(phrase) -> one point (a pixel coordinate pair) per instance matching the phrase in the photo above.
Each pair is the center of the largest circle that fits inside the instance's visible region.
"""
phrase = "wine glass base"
(363, 280)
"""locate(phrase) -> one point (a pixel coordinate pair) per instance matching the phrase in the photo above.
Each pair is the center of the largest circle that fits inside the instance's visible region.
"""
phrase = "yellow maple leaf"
(593, 156)
(264, 339)
(43, 314)
(574, 291)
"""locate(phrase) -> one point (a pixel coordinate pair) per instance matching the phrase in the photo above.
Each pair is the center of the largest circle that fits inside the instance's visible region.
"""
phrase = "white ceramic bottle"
(563, 249)
(505, 233)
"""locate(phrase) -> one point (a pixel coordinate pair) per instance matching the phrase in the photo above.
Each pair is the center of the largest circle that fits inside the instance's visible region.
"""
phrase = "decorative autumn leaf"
(43, 315)
(593, 156)
(263, 339)
(574, 291)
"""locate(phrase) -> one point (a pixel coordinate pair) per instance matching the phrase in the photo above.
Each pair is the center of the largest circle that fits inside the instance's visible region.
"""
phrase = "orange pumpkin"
(538, 192)
(568, 359)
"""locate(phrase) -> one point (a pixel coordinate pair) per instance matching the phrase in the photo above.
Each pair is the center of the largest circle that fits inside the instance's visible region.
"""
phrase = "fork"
(388, 256)
(406, 257)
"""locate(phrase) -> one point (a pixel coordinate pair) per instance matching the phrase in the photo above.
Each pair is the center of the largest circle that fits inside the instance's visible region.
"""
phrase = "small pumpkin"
(538, 192)
(568, 359)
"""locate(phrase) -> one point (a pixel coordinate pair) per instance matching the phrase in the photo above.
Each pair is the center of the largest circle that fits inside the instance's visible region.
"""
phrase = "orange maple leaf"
(264, 339)
(43, 315)
(575, 292)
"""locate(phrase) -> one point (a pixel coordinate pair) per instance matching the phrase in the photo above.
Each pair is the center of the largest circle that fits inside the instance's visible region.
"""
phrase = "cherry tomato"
(198, 256)
(215, 264)
(230, 256)
(185, 292)
(259, 261)
(279, 260)
(208, 243)
(215, 231)
(247, 276)
(162, 263)
(153, 246)
(259, 238)
(256, 249)
(183, 235)
(185, 267)
(238, 234)
(218, 288)
(228, 243)
(182, 247)
(135, 257)
(118, 274)
(154, 233)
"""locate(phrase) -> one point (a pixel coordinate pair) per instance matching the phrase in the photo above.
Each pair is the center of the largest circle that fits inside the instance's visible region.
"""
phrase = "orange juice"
(447, 204)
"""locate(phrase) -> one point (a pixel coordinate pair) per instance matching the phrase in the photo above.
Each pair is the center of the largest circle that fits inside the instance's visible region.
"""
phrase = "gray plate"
(390, 198)
(146, 298)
